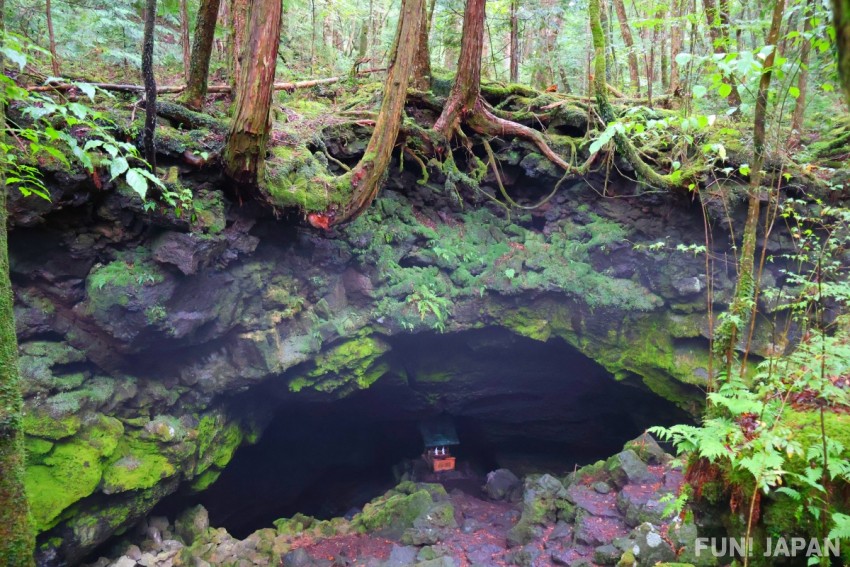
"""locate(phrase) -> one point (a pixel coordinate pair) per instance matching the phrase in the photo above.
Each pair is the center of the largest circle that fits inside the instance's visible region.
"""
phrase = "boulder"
(502, 485)
(651, 547)
(192, 524)
(627, 468)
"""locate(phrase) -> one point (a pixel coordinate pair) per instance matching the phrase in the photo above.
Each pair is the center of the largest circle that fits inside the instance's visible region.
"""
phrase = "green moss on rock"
(139, 464)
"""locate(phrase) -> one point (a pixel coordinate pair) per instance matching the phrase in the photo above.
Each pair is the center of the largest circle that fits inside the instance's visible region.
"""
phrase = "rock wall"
(139, 324)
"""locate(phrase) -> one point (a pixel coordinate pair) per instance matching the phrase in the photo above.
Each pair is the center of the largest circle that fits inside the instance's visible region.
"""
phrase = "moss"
(117, 282)
(138, 465)
(295, 177)
(36, 447)
(528, 324)
(69, 473)
(40, 423)
(395, 511)
(204, 480)
(217, 441)
(351, 364)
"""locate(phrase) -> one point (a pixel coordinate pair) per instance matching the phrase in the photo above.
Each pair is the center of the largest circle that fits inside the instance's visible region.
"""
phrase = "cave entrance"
(517, 403)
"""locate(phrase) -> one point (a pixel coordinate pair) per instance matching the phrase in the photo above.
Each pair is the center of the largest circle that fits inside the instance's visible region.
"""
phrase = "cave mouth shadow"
(517, 403)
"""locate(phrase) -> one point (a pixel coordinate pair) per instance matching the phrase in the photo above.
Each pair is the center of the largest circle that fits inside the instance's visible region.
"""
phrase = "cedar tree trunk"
(199, 66)
(422, 61)
(239, 13)
(245, 150)
(367, 175)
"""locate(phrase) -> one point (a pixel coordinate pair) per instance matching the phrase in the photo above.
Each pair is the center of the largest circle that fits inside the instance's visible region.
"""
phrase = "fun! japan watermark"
(773, 547)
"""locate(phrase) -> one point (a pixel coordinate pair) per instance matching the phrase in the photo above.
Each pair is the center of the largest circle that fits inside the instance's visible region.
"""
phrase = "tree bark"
(422, 60)
(54, 58)
(17, 540)
(676, 43)
(514, 42)
(199, 66)
(718, 30)
(628, 40)
(367, 175)
(239, 14)
(465, 102)
(148, 137)
(841, 21)
(184, 38)
(803, 79)
(245, 150)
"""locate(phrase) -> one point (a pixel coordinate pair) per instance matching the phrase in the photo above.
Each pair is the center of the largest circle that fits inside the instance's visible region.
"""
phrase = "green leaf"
(683, 59)
(724, 90)
(699, 91)
(118, 166)
(794, 92)
(15, 56)
(88, 90)
(137, 182)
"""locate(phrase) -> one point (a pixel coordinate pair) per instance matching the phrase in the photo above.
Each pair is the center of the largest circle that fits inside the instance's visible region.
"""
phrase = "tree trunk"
(465, 102)
(367, 175)
(746, 285)
(664, 65)
(718, 30)
(841, 21)
(544, 74)
(17, 540)
(184, 38)
(514, 43)
(676, 43)
(467, 85)
(803, 80)
(239, 14)
(422, 60)
(148, 136)
(245, 150)
(199, 66)
(53, 57)
(628, 40)
(363, 41)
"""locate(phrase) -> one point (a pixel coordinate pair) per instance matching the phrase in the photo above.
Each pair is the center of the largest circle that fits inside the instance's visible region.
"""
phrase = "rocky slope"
(140, 327)
(608, 513)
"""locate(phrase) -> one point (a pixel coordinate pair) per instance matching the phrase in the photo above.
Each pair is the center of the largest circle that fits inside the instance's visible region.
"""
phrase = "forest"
(573, 228)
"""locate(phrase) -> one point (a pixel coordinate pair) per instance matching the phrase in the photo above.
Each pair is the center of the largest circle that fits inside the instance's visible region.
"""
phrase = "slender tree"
(199, 66)
(148, 136)
(54, 58)
(245, 150)
(745, 287)
(184, 38)
(841, 21)
(514, 42)
(628, 40)
(239, 12)
(17, 542)
(803, 79)
(676, 43)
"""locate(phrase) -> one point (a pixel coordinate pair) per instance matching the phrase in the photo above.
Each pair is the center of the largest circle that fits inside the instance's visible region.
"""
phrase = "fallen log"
(172, 89)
